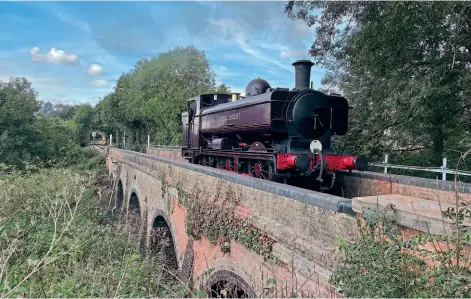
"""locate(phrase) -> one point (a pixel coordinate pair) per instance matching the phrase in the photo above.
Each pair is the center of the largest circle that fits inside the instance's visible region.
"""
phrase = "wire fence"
(441, 169)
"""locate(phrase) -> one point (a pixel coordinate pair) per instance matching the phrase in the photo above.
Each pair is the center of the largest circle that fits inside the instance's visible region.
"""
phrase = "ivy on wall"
(214, 218)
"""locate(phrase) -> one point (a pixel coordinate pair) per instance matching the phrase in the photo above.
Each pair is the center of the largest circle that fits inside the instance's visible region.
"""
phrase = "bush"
(382, 263)
(58, 240)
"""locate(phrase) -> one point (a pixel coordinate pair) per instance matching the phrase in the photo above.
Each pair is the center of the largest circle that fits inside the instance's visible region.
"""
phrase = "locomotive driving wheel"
(228, 165)
(262, 170)
(205, 161)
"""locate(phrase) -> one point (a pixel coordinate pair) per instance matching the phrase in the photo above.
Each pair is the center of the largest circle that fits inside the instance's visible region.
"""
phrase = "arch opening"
(119, 197)
(134, 207)
(226, 289)
(162, 246)
(226, 284)
(134, 219)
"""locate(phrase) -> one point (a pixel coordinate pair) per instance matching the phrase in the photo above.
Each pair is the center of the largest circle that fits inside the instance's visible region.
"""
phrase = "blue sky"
(73, 52)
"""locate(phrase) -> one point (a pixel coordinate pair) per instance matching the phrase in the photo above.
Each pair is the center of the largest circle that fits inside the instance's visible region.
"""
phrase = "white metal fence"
(148, 143)
(442, 169)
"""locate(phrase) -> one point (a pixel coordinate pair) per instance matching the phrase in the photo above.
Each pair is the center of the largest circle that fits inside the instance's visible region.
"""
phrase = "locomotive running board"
(244, 155)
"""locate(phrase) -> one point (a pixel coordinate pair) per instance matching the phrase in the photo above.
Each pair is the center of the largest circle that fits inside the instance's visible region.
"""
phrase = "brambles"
(57, 239)
(384, 263)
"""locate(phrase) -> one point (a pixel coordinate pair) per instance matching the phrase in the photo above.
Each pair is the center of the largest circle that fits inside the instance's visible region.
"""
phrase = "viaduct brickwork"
(274, 234)
(367, 183)
(171, 154)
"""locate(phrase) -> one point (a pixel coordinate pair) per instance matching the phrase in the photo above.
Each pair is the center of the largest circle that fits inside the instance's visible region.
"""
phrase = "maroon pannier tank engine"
(272, 133)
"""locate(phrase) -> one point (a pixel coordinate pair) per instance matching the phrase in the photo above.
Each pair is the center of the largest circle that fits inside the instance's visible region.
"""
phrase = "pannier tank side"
(277, 134)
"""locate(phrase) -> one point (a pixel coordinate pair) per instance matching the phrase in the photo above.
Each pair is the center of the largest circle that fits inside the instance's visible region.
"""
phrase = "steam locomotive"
(275, 134)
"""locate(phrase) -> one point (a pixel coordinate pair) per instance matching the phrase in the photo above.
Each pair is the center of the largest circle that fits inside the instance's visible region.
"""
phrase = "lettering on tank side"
(230, 117)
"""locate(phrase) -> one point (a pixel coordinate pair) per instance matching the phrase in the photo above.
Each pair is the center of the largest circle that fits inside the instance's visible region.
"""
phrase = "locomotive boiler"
(272, 133)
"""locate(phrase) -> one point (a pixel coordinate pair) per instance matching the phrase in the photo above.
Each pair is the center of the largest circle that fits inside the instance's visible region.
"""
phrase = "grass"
(58, 238)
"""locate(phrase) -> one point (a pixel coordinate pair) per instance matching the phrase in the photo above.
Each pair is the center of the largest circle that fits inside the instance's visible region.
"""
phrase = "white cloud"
(94, 69)
(295, 53)
(98, 82)
(53, 56)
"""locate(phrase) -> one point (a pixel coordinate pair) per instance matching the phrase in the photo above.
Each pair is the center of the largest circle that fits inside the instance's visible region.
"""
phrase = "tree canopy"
(149, 99)
(26, 134)
(405, 69)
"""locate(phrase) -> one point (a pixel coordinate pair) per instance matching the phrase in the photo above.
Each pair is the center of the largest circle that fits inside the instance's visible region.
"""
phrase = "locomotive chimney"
(302, 70)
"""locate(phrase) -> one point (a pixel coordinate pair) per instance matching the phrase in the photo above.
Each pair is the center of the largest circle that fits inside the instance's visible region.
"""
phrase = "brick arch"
(134, 201)
(226, 276)
(185, 262)
(162, 241)
(135, 213)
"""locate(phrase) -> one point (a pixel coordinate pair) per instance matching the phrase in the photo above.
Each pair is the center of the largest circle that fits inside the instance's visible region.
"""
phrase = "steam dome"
(256, 87)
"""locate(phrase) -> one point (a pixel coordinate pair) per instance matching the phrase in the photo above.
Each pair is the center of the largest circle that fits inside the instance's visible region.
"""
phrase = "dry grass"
(58, 240)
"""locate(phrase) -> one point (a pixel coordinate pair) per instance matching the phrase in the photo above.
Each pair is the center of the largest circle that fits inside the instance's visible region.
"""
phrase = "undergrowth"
(383, 262)
(58, 239)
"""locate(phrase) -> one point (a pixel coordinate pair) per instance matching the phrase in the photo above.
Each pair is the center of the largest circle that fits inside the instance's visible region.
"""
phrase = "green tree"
(404, 66)
(83, 120)
(18, 106)
(64, 111)
(149, 99)
(223, 88)
(54, 142)
(47, 108)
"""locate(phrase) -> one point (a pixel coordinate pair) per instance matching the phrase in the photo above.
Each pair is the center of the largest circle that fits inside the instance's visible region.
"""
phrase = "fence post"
(386, 156)
(148, 140)
(111, 140)
(444, 170)
(124, 140)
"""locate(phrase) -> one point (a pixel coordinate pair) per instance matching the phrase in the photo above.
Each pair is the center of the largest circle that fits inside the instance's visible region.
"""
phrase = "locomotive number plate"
(230, 117)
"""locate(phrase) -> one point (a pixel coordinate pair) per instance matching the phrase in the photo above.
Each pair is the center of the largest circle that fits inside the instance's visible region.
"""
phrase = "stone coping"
(412, 181)
(420, 214)
(165, 149)
(322, 200)
(394, 178)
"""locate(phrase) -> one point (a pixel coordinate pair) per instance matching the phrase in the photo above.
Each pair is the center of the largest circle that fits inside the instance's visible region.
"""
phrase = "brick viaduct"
(281, 237)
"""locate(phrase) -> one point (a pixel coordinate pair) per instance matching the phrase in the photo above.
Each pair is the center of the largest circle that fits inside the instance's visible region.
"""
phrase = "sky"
(73, 52)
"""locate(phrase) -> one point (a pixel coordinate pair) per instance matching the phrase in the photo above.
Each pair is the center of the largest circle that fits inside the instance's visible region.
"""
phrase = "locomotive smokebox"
(302, 70)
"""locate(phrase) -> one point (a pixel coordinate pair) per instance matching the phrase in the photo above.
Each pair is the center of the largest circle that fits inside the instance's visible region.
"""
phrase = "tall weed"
(58, 240)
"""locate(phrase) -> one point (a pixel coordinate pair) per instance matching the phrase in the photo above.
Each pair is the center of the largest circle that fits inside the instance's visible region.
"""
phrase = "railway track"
(97, 147)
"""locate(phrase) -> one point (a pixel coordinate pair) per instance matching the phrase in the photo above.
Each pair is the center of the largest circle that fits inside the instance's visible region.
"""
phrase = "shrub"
(58, 240)
(383, 263)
